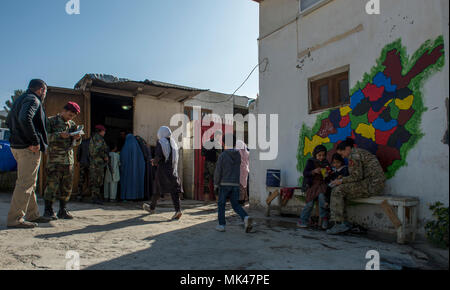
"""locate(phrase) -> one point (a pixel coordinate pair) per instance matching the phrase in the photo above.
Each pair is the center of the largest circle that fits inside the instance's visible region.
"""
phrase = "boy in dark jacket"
(339, 168)
(227, 180)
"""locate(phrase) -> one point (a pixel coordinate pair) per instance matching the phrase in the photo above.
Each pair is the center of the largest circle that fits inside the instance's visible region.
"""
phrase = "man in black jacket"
(27, 123)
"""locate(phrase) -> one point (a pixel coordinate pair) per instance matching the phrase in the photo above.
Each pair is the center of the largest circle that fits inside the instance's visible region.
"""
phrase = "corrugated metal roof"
(172, 86)
(101, 83)
(105, 78)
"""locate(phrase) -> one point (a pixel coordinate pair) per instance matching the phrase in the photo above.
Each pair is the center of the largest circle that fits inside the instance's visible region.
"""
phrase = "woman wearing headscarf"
(245, 156)
(315, 184)
(148, 167)
(132, 170)
(166, 179)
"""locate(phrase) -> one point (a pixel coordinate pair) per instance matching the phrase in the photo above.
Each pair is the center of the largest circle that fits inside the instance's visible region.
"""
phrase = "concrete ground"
(123, 236)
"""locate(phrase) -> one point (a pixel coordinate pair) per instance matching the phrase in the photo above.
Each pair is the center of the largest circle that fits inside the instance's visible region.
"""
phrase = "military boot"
(63, 212)
(49, 213)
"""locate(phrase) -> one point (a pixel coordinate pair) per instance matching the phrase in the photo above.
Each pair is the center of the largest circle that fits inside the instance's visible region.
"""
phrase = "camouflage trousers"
(348, 191)
(96, 179)
(59, 182)
(208, 176)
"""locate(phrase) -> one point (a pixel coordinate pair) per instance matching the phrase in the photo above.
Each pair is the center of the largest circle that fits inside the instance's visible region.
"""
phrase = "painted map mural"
(385, 109)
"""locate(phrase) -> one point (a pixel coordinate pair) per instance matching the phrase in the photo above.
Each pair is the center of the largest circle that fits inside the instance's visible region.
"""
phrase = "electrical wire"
(232, 95)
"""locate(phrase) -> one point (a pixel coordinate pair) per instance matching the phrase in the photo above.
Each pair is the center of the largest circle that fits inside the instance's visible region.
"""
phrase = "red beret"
(72, 106)
(100, 127)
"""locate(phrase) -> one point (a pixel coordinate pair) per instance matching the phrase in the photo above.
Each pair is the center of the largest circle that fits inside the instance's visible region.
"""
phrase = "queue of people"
(33, 134)
(140, 175)
(128, 170)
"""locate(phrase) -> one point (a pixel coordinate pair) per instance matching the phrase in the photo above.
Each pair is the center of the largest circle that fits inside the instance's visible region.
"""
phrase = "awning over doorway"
(108, 84)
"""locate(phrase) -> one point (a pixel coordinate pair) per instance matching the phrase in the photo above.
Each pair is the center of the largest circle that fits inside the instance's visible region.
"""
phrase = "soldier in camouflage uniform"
(366, 179)
(98, 158)
(61, 160)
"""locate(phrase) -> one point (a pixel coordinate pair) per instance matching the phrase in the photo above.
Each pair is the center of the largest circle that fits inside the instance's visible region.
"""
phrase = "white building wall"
(284, 87)
(148, 120)
(219, 103)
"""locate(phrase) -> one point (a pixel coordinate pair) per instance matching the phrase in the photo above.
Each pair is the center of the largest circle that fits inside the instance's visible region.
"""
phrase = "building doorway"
(115, 113)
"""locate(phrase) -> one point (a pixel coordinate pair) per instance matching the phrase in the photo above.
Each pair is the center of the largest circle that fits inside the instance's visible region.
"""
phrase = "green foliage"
(437, 230)
(9, 103)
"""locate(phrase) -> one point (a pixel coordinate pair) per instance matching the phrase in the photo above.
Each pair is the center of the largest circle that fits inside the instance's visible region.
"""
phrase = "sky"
(207, 44)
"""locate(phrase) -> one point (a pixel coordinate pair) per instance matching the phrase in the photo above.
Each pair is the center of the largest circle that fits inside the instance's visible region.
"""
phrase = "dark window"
(324, 95)
(329, 92)
(344, 92)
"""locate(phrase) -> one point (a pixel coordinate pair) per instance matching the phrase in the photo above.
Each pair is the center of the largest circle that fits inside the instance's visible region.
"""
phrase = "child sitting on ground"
(315, 182)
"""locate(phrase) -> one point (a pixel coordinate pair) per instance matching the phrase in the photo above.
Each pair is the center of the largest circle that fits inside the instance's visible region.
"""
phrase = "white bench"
(404, 218)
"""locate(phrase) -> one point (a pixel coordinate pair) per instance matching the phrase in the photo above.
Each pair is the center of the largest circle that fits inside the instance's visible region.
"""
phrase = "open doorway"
(115, 113)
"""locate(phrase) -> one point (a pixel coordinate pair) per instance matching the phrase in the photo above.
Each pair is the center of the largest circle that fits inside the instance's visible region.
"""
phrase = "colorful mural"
(385, 109)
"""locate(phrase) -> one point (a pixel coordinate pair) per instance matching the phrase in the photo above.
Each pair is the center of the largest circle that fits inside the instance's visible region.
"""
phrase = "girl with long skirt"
(166, 179)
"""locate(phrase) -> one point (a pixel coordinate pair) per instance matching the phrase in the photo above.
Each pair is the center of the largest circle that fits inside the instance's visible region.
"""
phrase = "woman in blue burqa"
(132, 170)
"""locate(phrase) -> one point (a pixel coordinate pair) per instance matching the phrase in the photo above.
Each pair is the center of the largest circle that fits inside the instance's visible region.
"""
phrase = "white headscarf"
(240, 145)
(245, 163)
(164, 133)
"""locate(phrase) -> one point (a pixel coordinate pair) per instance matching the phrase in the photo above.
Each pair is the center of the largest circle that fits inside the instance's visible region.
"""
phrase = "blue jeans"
(233, 193)
(306, 212)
